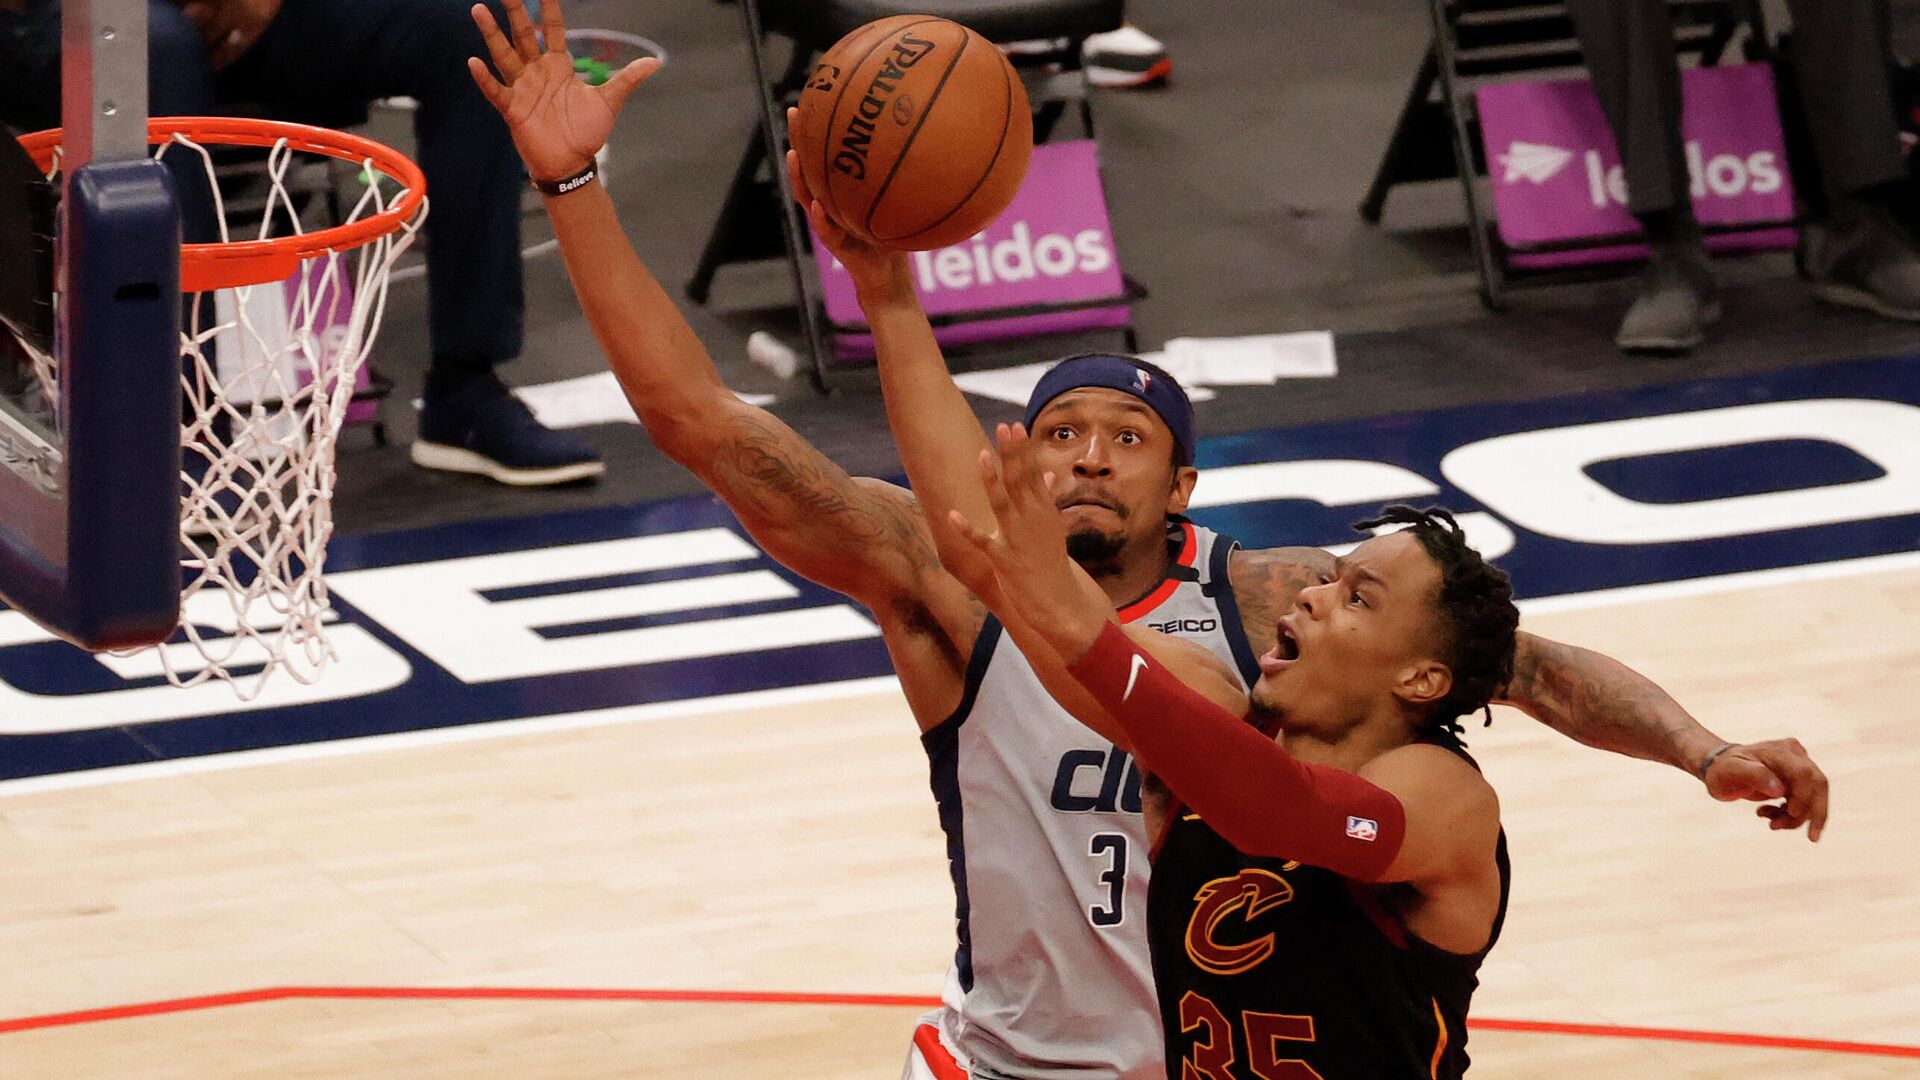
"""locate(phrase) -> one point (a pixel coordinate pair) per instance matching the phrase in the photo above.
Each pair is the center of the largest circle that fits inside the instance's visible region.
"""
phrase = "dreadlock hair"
(1477, 616)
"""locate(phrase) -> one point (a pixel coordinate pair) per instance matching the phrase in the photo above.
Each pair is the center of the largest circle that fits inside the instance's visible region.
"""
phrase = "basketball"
(914, 132)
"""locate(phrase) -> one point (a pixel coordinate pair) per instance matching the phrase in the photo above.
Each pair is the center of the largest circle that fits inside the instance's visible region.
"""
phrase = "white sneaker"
(1125, 57)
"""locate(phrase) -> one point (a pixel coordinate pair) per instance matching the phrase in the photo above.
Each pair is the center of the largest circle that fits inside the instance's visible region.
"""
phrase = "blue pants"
(322, 61)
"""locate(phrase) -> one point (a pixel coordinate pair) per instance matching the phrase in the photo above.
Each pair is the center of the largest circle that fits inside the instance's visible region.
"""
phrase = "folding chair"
(759, 204)
(1479, 41)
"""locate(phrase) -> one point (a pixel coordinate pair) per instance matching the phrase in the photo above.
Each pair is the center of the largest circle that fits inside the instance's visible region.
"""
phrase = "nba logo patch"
(1141, 380)
(1362, 828)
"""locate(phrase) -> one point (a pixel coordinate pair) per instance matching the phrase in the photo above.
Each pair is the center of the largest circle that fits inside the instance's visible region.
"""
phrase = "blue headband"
(1127, 375)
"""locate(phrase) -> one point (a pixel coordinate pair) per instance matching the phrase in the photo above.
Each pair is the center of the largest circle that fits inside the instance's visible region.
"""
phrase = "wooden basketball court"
(513, 902)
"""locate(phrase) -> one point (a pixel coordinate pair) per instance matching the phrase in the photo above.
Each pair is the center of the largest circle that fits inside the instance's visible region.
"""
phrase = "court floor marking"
(848, 688)
(777, 997)
(843, 688)
(443, 736)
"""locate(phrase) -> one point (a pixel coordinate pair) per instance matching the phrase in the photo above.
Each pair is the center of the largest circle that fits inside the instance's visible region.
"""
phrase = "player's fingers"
(995, 483)
(1806, 784)
(959, 524)
(1022, 440)
(1002, 440)
(554, 26)
(1020, 447)
(1817, 803)
(1014, 460)
(1038, 484)
(1807, 788)
(822, 224)
(627, 80)
(981, 540)
(505, 60)
(1783, 821)
(1779, 817)
(989, 472)
(1737, 776)
(801, 193)
(525, 42)
(490, 87)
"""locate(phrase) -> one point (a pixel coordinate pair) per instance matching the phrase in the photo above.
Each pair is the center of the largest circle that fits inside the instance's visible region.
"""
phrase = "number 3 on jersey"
(1113, 848)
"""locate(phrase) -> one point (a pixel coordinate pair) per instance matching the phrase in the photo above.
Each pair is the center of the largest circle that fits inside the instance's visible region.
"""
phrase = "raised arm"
(938, 437)
(1586, 696)
(862, 537)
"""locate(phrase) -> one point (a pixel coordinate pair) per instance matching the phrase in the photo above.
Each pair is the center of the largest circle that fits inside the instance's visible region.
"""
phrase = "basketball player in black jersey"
(1329, 872)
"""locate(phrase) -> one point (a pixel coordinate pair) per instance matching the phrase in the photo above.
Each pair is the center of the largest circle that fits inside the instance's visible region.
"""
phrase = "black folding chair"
(759, 203)
(1481, 41)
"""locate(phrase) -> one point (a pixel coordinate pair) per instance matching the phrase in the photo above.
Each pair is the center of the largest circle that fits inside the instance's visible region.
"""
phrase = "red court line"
(1723, 1038)
(767, 997)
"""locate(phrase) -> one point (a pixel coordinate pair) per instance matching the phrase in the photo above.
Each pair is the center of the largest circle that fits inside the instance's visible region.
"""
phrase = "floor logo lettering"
(488, 621)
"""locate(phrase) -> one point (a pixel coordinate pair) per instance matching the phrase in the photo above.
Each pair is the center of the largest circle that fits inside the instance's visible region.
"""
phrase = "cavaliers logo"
(1252, 893)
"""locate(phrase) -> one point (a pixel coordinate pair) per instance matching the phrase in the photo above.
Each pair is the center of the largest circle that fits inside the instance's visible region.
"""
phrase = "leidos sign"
(1558, 176)
(1052, 246)
(1018, 258)
(1725, 176)
(612, 608)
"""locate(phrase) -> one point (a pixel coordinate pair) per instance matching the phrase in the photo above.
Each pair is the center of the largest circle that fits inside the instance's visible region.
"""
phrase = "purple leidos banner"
(1557, 177)
(1053, 245)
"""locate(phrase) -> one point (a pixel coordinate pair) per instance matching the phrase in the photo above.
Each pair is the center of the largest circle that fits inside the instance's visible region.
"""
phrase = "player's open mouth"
(1284, 643)
(1286, 648)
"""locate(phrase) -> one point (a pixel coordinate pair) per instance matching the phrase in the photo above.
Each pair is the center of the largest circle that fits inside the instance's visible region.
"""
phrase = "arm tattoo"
(907, 531)
(1602, 703)
(785, 482)
(862, 537)
(1265, 584)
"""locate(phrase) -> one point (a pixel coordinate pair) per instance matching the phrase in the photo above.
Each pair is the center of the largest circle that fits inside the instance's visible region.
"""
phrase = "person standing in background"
(1853, 252)
(322, 62)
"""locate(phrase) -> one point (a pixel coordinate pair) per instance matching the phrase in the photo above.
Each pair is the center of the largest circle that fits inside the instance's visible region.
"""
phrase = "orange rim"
(255, 262)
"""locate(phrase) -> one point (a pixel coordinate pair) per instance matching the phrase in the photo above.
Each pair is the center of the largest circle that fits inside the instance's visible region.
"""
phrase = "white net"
(269, 374)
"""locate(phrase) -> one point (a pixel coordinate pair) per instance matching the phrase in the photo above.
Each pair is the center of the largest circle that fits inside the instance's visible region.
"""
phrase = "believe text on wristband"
(566, 183)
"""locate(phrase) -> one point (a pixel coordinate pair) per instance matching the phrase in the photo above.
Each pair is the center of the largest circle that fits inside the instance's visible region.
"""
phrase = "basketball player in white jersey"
(1041, 818)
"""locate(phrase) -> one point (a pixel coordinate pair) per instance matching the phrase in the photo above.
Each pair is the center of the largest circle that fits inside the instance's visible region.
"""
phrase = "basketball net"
(268, 371)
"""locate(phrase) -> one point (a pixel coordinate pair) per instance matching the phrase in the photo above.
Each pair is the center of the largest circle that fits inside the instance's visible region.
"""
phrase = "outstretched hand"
(558, 122)
(871, 265)
(1775, 769)
(1032, 578)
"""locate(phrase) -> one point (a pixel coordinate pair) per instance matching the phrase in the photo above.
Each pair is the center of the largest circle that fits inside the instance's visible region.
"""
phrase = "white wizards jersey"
(1049, 853)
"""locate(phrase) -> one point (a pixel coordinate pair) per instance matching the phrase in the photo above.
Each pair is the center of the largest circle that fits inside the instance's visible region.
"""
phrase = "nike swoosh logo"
(1139, 665)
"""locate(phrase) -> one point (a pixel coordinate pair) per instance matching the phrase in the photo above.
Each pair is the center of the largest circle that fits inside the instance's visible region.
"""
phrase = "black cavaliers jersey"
(1268, 969)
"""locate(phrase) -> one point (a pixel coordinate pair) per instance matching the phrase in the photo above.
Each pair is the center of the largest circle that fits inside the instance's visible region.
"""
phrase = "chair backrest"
(1492, 38)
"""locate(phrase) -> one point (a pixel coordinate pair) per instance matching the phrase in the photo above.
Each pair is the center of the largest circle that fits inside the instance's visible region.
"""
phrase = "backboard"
(90, 399)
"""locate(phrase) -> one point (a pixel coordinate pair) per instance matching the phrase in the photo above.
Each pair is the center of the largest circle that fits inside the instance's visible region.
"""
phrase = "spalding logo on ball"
(914, 132)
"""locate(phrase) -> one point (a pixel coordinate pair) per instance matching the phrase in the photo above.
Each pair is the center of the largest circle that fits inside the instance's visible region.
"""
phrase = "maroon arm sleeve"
(1262, 799)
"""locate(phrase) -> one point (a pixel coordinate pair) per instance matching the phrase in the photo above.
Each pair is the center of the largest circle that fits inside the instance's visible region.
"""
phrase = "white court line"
(833, 691)
(492, 729)
(1706, 586)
